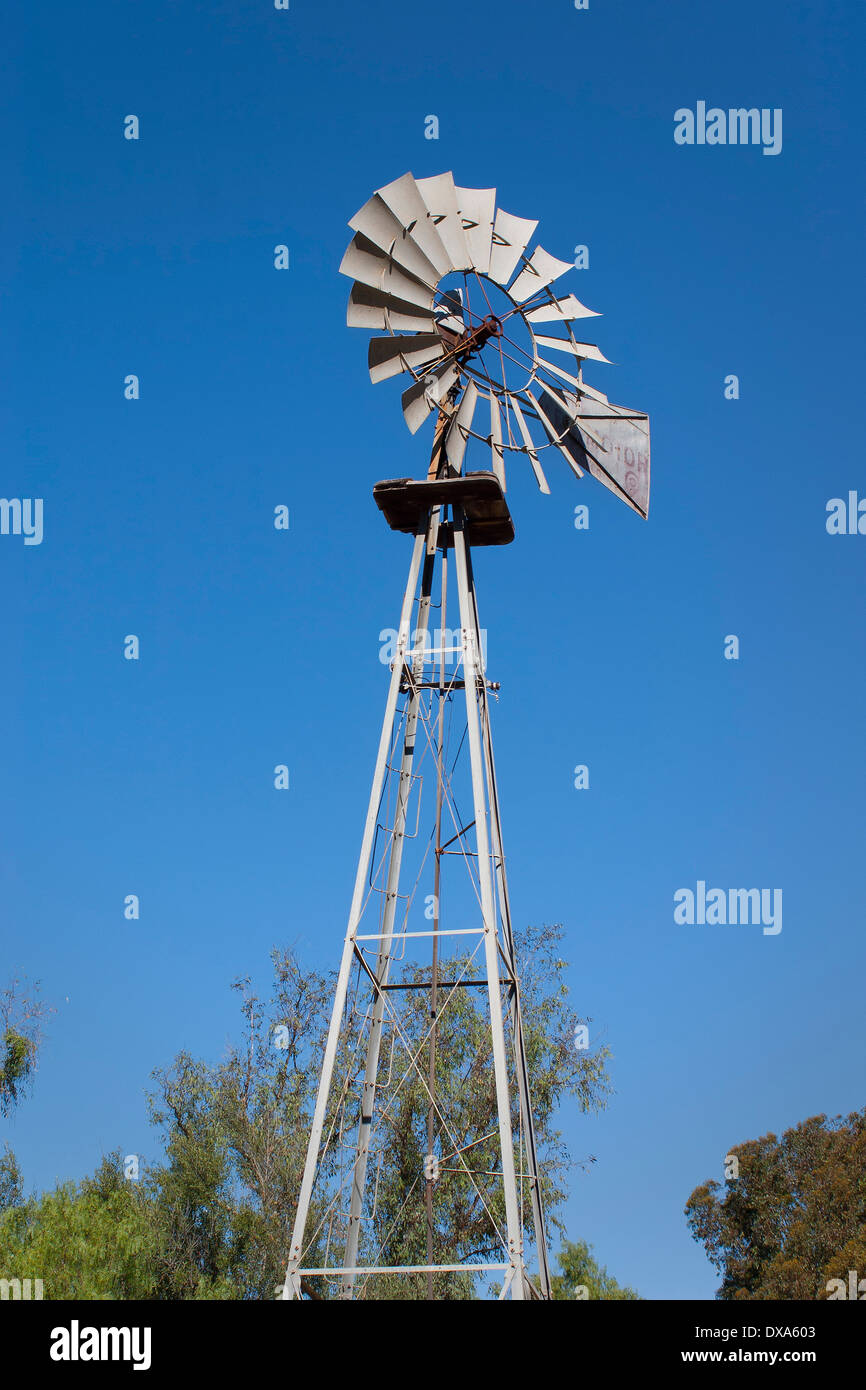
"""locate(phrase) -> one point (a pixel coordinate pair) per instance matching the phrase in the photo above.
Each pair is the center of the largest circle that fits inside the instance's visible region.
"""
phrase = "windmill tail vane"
(455, 299)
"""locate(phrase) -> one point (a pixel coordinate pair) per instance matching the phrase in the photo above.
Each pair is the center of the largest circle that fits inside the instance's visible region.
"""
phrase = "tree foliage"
(213, 1219)
(22, 1014)
(581, 1276)
(235, 1138)
(11, 1186)
(94, 1241)
(795, 1216)
(104, 1238)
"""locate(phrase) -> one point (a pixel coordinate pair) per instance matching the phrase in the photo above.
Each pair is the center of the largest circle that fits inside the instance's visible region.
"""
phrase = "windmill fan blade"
(440, 198)
(375, 309)
(510, 239)
(590, 391)
(459, 427)
(390, 356)
(623, 464)
(569, 441)
(498, 458)
(448, 310)
(530, 447)
(541, 364)
(562, 310)
(404, 200)
(582, 350)
(365, 262)
(477, 207)
(420, 398)
(379, 225)
(569, 403)
(541, 269)
(553, 434)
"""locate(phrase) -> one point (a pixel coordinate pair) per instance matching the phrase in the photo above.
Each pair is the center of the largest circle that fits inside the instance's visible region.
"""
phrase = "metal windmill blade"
(448, 312)
(439, 197)
(539, 271)
(561, 310)
(369, 308)
(421, 398)
(391, 356)
(511, 236)
(404, 207)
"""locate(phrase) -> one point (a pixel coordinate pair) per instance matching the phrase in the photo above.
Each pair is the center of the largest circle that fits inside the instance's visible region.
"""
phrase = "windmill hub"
(491, 327)
(461, 345)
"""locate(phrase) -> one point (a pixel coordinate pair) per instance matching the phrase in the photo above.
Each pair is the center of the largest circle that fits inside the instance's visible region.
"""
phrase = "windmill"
(456, 302)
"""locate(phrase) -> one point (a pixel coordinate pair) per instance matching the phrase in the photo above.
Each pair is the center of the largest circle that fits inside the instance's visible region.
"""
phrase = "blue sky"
(258, 647)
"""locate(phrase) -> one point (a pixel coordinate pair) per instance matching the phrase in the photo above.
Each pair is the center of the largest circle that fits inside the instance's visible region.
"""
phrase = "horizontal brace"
(401, 936)
(443, 984)
(404, 1269)
(434, 685)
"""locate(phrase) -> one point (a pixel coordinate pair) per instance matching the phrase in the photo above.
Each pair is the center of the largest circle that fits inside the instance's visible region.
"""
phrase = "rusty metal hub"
(473, 339)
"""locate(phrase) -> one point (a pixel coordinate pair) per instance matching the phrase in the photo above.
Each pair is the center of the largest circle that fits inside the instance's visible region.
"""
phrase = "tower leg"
(291, 1288)
(374, 1037)
(527, 1121)
(473, 678)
